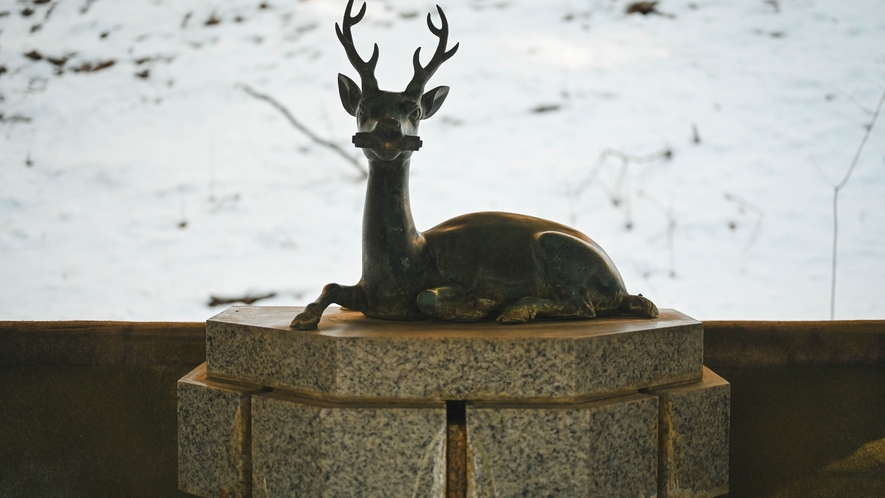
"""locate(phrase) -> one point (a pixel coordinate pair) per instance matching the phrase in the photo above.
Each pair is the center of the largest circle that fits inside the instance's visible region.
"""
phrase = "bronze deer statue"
(506, 265)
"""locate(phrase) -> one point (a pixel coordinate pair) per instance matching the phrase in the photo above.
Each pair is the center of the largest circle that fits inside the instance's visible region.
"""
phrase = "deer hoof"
(304, 322)
(515, 315)
(641, 306)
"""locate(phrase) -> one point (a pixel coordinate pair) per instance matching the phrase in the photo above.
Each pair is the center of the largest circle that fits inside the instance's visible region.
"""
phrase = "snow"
(134, 198)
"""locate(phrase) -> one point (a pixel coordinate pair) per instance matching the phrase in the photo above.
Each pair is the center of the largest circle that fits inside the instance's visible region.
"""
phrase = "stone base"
(301, 448)
(602, 448)
(694, 424)
(611, 407)
(214, 436)
(351, 356)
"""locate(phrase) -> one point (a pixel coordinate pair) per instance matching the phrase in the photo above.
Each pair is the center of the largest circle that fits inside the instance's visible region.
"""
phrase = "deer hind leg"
(454, 304)
(351, 297)
(638, 305)
(527, 308)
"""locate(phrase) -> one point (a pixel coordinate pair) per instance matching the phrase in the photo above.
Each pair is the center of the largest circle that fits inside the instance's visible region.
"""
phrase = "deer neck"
(391, 243)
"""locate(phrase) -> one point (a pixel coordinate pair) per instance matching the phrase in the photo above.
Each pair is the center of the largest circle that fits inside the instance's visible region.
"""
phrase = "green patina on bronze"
(478, 265)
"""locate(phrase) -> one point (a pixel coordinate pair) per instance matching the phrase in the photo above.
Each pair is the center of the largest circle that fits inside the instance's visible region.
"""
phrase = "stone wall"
(89, 408)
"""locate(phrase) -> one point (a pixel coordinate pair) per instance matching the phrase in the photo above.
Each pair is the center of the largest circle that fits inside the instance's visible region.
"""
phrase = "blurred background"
(699, 142)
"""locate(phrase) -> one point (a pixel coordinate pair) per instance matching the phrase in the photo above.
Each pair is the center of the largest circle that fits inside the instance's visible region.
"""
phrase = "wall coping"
(732, 344)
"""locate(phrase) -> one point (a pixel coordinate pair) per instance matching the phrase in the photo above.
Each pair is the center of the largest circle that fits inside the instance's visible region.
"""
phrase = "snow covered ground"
(138, 190)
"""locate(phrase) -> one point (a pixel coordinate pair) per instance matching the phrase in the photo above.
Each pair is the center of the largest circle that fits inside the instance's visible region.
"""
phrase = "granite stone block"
(351, 356)
(214, 446)
(604, 448)
(694, 422)
(313, 449)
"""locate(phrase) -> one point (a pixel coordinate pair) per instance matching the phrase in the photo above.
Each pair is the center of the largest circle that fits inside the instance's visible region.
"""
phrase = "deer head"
(388, 121)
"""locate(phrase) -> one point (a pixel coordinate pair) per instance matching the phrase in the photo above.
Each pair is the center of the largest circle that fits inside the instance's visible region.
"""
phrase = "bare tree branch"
(303, 129)
(15, 118)
(854, 101)
(247, 299)
(836, 190)
(670, 232)
(748, 206)
(617, 194)
(626, 159)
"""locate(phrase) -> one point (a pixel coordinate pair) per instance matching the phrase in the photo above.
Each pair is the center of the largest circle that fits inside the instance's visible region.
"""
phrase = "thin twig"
(616, 194)
(182, 223)
(749, 206)
(211, 167)
(820, 171)
(854, 101)
(642, 270)
(775, 4)
(671, 229)
(836, 190)
(303, 129)
(670, 233)
(625, 159)
(85, 8)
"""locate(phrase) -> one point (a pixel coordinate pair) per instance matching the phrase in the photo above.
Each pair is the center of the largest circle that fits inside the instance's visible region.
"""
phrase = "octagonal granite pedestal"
(608, 407)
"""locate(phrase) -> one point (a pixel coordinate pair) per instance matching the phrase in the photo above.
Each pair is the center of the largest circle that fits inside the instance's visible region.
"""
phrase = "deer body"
(506, 265)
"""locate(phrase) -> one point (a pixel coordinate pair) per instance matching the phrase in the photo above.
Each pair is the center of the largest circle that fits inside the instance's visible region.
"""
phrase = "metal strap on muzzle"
(368, 140)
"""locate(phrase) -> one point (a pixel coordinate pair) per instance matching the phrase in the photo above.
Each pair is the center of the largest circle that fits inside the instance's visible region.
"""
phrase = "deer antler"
(366, 69)
(423, 74)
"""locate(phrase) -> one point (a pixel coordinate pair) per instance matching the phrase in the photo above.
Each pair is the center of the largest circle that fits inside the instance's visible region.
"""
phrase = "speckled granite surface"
(319, 451)
(352, 356)
(214, 446)
(694, 421)
(604, 448)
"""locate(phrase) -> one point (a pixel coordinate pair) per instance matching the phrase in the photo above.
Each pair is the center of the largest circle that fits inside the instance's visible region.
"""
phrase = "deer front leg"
(351, 297)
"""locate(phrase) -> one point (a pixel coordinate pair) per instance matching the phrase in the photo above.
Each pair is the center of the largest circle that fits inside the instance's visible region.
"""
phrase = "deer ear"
(432, 100)
(350, 94)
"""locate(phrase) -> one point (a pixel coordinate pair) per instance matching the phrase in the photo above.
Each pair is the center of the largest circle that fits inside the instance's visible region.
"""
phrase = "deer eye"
(415, 115)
